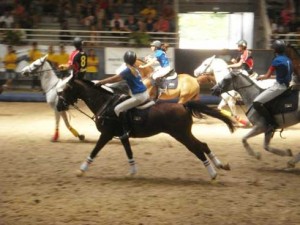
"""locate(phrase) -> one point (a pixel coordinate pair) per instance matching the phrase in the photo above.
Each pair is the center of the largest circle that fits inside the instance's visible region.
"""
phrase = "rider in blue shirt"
(282, 66)
(139, 93)
(161, 58)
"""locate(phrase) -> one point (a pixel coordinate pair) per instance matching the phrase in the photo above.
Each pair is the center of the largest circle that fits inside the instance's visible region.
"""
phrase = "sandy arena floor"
(38, 185)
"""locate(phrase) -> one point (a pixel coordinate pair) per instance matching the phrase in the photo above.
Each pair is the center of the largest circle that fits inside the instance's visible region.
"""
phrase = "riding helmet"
(156, 44)
(279, 46)
(78, 42)
(130, 57)
(242, 43)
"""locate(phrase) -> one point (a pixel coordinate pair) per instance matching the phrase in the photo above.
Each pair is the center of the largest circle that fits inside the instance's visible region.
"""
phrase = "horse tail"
(197, 108)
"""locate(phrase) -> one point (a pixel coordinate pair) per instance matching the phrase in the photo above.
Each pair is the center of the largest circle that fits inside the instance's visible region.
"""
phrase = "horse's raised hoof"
(214, 176)
(80, 173)
(226, 167)
(54, 139)
(81, 137)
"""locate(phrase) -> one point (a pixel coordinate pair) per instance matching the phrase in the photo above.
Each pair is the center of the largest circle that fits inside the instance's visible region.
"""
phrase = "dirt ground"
(38, 185)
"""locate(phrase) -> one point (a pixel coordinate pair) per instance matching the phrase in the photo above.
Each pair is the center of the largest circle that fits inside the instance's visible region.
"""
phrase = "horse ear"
(61, 85)
(44, 57)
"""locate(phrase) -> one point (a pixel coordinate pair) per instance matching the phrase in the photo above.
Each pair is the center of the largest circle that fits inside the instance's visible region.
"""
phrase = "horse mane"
(94, 86)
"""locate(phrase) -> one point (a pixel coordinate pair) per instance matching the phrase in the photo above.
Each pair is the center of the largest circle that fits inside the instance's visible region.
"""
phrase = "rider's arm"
(150, 63)
(235, 65)
(267, 75)
(113, 79)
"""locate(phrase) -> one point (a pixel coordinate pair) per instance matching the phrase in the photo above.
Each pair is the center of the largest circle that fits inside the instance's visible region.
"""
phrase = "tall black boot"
(262, 110)
(125, 125)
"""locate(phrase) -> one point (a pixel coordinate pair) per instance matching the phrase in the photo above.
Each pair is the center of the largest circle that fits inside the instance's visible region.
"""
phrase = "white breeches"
(161, 72)
(132, 102)
(271, 93)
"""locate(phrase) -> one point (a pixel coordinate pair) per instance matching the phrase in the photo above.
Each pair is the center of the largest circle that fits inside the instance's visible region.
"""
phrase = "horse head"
(34, 66)
(205, 67)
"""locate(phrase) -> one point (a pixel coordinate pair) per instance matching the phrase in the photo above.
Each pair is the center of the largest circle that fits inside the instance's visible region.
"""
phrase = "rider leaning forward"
(138, 90)
(282, 66)
(77, 60)
(160, 57)
(245, 60)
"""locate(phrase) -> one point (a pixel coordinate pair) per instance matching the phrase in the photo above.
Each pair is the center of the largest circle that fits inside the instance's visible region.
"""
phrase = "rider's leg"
(263, 111)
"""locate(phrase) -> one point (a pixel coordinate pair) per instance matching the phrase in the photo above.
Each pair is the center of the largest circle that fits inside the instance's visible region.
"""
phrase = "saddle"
(169, 81)
(286, 102)
(137, 115)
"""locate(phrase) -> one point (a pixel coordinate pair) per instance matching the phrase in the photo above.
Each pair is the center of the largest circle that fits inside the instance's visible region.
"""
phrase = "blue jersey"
(134, 82)
(283, 68)
(161, 58)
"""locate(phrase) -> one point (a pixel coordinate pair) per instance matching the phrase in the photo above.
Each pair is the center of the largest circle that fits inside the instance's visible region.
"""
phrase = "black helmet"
(279, 46)
(78, 42)
(156, 44)
(130, 57)
(242, 43)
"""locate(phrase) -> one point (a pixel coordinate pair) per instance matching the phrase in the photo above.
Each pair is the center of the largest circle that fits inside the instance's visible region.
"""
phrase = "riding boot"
(125, 125)
(263, 111)
(157, 85)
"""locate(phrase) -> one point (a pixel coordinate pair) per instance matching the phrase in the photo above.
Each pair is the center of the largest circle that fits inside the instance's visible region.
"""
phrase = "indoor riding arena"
(39, 183)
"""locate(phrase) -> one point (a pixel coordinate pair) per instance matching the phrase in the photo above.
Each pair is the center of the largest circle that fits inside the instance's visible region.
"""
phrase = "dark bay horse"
(187, 89)
(172, 118)
(294, 55)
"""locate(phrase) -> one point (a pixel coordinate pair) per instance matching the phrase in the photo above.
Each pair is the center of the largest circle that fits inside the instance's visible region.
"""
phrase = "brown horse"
(167, 117)
(187, 88)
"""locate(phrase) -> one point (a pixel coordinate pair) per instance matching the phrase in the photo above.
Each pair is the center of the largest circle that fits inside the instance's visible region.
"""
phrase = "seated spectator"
(150, 23)
(117, 23)
(131, 23)
(92, 66)
(148, 10)
(8, 19)
(64, 34)
(89, 15)
(162, 25)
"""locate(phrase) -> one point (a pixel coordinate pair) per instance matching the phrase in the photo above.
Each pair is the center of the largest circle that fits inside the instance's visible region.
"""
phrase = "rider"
(161, 58)
(245, 60)
(138, 90)
(282, 66)
(77, 60)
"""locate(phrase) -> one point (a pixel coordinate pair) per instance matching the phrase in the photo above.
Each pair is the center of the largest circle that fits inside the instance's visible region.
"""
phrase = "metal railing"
(98, 38)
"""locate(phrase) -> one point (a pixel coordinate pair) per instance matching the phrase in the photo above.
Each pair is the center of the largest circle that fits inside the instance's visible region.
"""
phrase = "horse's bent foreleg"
(71, 129)
(102, 141)
(292, 163)
(127, 147)
(273, 150)
(253, 132)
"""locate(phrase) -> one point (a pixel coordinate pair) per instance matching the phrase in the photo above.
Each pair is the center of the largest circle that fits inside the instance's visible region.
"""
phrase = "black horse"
(172, 118)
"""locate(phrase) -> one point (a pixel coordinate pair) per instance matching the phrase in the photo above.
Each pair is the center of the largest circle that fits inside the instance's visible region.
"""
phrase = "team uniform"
(138, 90)
(282, 66)
(163, 60)
(10, 62)
(78, 61)
(247, 61)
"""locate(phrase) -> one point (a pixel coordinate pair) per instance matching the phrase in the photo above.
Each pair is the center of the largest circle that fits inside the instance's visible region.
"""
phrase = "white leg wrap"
(212, 172)
(85, 165)
(133, 168)
(215, 160)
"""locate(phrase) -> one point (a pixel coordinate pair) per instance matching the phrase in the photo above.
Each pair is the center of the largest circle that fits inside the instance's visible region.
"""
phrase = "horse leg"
(102, 141)
(273, 150)
(198, 148)
(57, 120)
(81, 137)
(253, 132)
(127, 147)
(293, 161)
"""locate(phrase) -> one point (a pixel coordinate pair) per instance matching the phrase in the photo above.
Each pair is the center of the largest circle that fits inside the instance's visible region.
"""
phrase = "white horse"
(214, 69)
(286, 111)
(50, 82)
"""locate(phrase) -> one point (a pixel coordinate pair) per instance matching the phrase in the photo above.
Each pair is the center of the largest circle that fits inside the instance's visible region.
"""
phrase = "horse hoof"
(81, 137)
(226, 167)
(80, 173)
(258, 156)
(213, 177)
(289, 152)
(291, 164)
(54, 139)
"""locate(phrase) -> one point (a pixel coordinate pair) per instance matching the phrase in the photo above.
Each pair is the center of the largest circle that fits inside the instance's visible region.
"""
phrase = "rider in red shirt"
(245, 60)
(77, 60)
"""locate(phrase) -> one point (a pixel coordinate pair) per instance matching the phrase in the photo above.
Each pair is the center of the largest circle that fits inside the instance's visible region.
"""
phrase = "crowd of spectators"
(284, 17)
(96, 15)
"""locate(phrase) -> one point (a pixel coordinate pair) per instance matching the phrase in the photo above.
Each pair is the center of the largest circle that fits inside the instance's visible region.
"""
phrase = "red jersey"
(78, 61)
(247, 60)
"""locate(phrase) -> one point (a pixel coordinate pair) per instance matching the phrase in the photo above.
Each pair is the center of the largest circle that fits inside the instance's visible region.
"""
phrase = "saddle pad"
(287, 102)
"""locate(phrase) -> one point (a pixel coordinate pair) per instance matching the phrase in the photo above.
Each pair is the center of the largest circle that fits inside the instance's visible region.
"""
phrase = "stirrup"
(125, 135)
